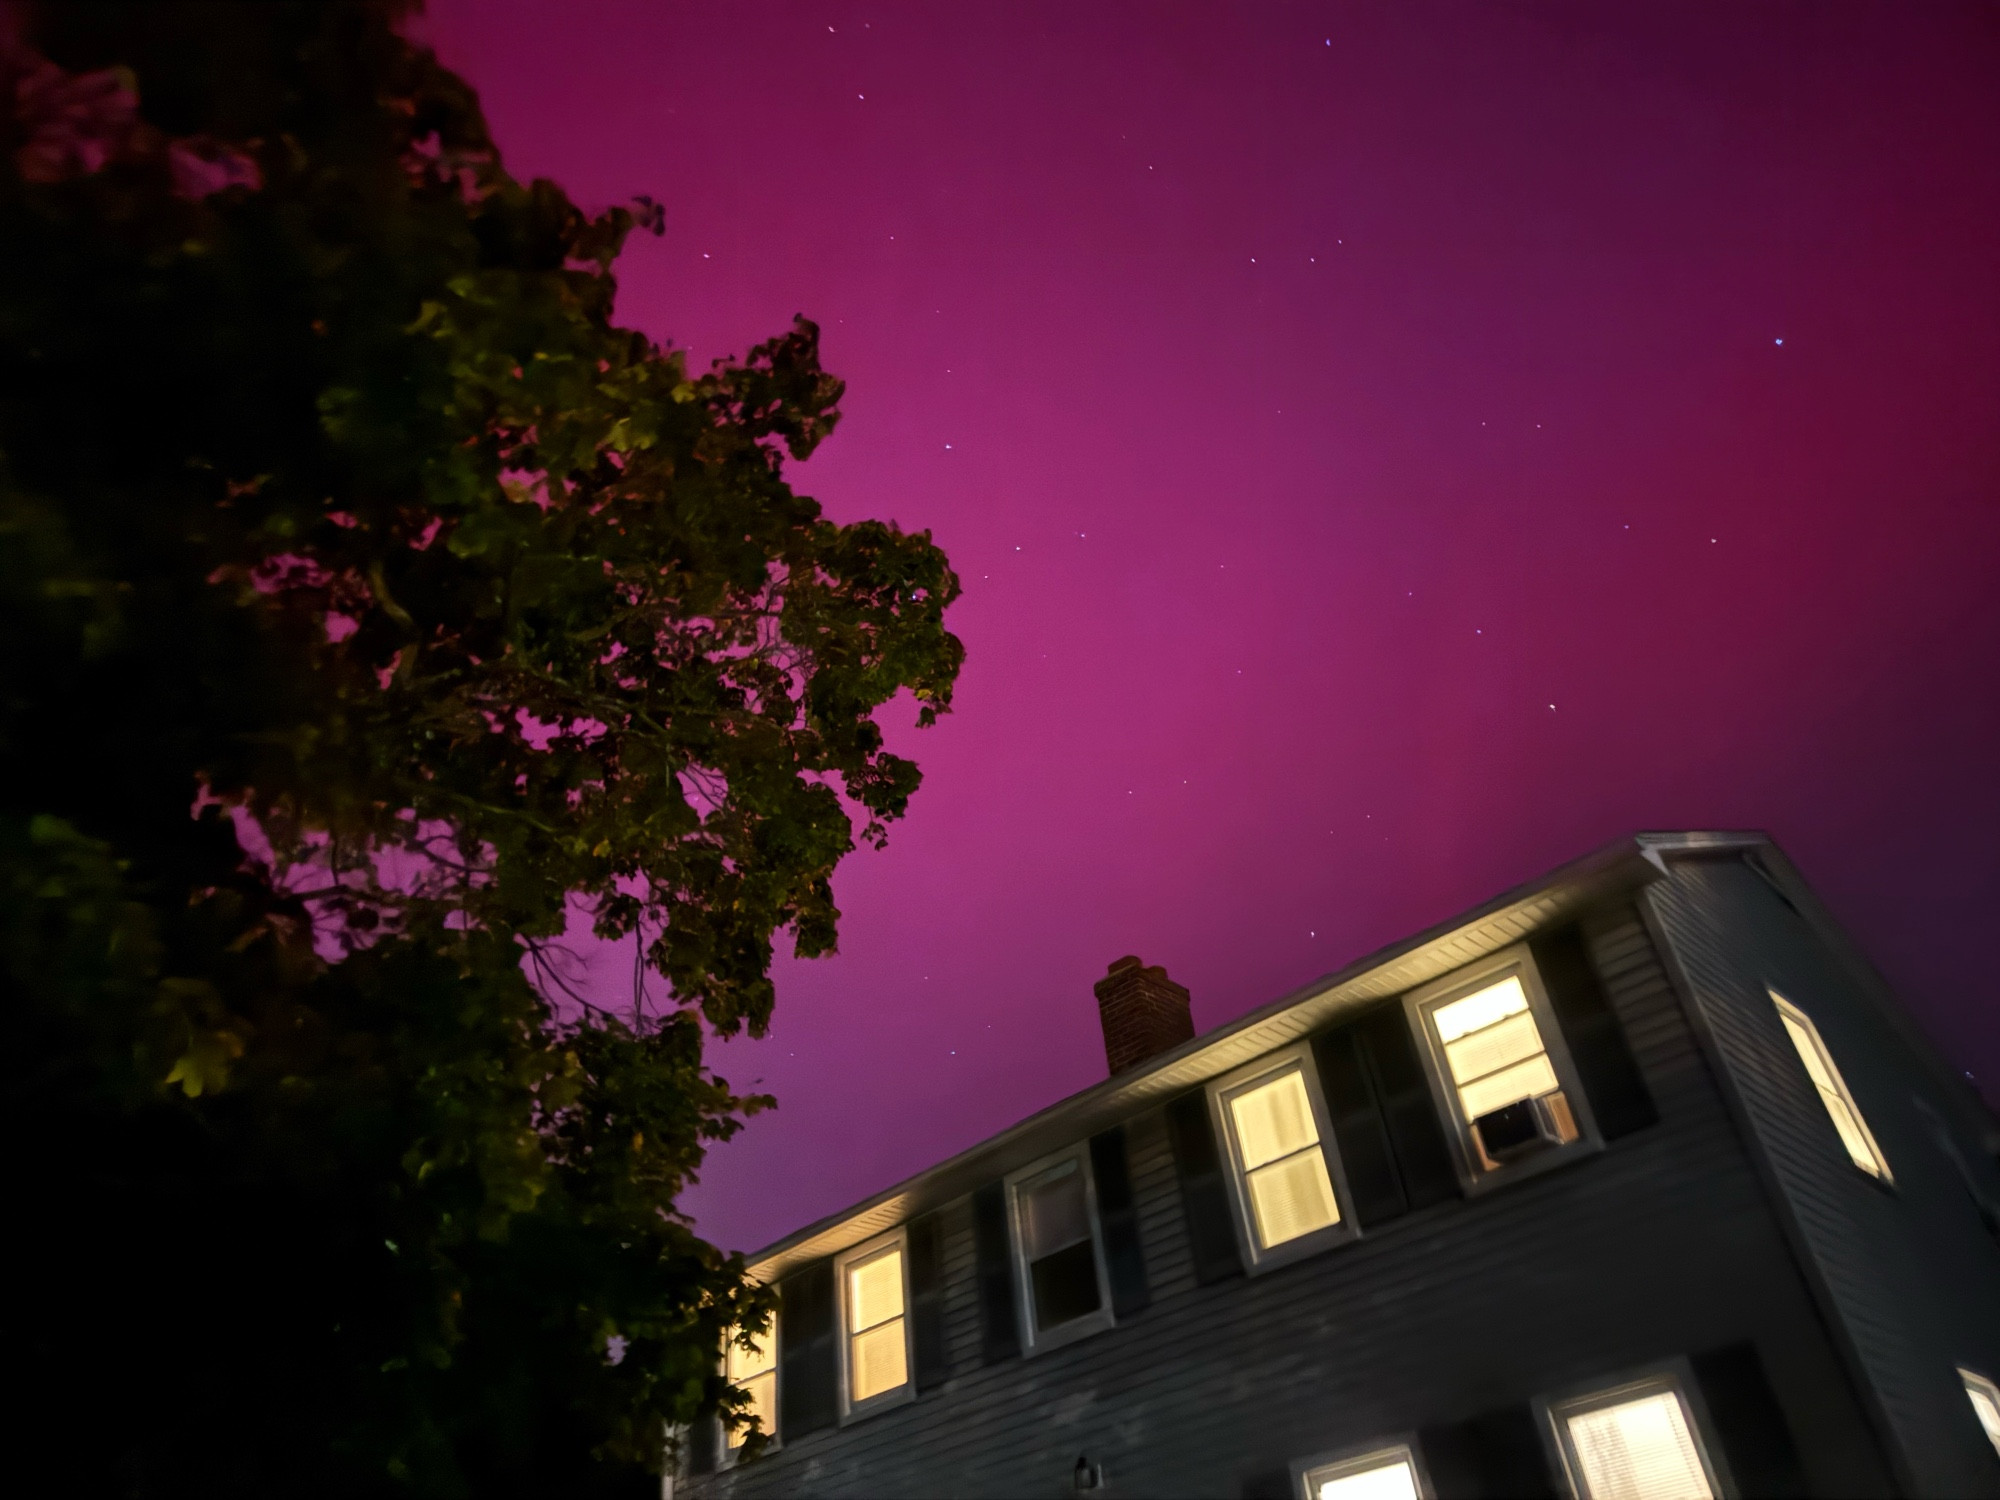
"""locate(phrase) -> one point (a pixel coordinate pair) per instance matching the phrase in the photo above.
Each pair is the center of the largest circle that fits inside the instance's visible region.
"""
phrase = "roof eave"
(1626, 863)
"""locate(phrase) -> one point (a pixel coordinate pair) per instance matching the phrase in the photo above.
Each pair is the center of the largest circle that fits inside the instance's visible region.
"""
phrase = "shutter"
(1359, 1131)
(704, 1442)
(927, 1300)
(1118, 1216)
(1000, 1326)
(1409, 1109)
(1496, 1456)
(1750, 1425)
(1211, 1223)
(1611, 1079)
(1267, 1484)
(808, 1355)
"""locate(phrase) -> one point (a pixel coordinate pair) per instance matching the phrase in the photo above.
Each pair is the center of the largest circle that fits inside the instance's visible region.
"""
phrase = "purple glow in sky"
(1389, 450)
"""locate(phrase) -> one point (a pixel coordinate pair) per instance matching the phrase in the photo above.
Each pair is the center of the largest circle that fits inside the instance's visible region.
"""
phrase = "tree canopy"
(371, 607)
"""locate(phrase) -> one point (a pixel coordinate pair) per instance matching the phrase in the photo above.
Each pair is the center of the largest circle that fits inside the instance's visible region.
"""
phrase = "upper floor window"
(1275, 1126)
(1497, 1058)
(1064, 1290)
(755, 1372)
(1854, 1132)
(1985, 1398)
(1637, 1441)
(874, 1324)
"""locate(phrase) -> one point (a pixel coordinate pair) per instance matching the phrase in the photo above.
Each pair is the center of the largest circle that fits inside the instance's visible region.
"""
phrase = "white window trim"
(1255, 1258)
(1791, 1009)
(851, 1410)
(1492, 969)
(1675, 1376)
(1973, 1380)
(1308, 1474)
(1024, 1290)
(727, 1457)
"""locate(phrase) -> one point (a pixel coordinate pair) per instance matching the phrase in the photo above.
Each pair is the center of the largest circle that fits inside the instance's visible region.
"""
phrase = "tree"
(336, 513)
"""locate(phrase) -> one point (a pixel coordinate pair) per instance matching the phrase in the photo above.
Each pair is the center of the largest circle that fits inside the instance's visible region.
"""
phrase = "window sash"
(755, 1373)
(1291, 1197)
(1855, 1136)
(1284, 1176)
(1475, 1028)
(874, 1302)
(1655, 1452)
(1050, 1288)
(762, 1389)
(1386, 1473)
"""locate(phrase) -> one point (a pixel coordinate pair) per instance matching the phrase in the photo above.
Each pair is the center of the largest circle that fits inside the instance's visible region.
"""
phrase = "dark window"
(1057, 1245)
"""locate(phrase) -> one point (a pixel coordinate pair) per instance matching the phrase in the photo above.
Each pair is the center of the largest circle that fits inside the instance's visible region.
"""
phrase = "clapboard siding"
(1909, 1274)
(1663, 1244)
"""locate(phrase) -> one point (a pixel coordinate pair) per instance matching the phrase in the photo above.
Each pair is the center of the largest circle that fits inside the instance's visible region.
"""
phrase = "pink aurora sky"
(1389, 451)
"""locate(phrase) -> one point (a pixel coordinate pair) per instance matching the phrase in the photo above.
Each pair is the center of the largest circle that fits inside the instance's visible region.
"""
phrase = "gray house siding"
(1909, 1273)
(1665, 1244)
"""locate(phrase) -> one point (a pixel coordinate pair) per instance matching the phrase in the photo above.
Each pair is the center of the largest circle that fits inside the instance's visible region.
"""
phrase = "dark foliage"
(334, 509)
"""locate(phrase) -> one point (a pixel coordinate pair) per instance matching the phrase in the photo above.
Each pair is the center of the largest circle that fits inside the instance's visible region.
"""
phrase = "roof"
(1622, 865)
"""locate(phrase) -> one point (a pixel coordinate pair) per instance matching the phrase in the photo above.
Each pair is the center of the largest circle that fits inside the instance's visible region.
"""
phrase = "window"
(1275, 1127)
(1064, 1290)
(1497, 1059)
(874, 1325)
(1985, 1398)
(1854, 1132)
(1379, 1474)
(1635, 1442)
(755, 1372)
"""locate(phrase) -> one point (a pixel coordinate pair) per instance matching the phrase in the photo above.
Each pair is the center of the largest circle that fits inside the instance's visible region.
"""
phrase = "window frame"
(1024, 1288)
(1788, 1008)
(727, 1456)
(850, 1409)
(1972, 1380)
(1256, 1260)
(1674, 1376)
(1311, 1472)
(1467, 979)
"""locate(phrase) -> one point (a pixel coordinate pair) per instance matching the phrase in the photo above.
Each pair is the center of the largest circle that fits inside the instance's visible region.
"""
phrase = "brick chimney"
(1144, 1013)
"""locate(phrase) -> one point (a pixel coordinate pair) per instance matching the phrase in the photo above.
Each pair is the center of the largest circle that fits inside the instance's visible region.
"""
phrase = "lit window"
(1062, 1276)
(1284, 1171)
(874, 1326)
(1273, 1124)
(1635, 1443)
(755, 1373)
(1504, 1087)
(1854, 1132)
(1985, 1398)
(1386, 1474)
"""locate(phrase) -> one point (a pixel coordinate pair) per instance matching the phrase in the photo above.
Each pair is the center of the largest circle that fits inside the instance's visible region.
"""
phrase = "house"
(1635, 1181)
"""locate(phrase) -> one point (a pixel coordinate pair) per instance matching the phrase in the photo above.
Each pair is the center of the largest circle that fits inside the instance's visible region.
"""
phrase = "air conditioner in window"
(1518, 1129)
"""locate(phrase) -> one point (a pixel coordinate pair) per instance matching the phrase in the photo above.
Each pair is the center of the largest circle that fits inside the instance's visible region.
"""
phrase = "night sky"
(1389, 451)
